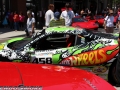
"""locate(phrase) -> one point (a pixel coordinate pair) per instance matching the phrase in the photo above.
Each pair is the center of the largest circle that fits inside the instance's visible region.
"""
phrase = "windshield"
(79, 20)
(19, 44)
(99, 17)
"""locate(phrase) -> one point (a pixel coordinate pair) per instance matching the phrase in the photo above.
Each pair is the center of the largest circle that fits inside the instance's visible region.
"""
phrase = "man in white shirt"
(49, 15)
(67, 15)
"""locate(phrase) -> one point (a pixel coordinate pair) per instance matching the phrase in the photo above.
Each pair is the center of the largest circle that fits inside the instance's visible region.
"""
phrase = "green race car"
(61, 45)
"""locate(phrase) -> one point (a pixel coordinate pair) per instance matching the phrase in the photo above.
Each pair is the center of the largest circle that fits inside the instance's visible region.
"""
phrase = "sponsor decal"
(88, 58)
(2, 46)
(99, 69)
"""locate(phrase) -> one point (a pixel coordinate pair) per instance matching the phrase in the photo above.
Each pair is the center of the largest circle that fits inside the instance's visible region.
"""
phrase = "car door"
(93, 53)
(53, 48)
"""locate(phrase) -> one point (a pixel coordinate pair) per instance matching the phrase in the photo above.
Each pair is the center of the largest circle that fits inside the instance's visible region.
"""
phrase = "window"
(79, 20)
(56, 41)
(17, 45)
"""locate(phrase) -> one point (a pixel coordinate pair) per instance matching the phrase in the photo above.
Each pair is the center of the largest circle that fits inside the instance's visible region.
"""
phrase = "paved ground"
(102, 30)
(6, 33)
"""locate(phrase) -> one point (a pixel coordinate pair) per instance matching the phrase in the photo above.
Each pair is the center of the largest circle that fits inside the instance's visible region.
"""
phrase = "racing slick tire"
(111, 73)
(117, 71)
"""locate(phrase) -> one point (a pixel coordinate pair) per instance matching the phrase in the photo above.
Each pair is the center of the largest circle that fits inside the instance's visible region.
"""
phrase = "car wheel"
(111, 76)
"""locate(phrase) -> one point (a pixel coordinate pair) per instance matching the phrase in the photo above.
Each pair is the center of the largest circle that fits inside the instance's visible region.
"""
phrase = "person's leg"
(27, 32)
(107, 28)
(20, 24)
(12, 25)
(111, 30)
(15, 26)
(30, 33)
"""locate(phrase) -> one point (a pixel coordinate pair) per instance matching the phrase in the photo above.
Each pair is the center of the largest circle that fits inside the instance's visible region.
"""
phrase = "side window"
(79, 40)
(55, 41)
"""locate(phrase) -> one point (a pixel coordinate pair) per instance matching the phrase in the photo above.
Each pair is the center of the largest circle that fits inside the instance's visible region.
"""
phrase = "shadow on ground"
(5, 30)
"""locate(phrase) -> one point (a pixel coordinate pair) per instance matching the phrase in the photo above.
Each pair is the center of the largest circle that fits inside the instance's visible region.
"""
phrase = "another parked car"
(83, 23)
(14, 76)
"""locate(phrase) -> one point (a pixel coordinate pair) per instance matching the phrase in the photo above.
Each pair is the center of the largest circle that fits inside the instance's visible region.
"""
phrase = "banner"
(60, 22)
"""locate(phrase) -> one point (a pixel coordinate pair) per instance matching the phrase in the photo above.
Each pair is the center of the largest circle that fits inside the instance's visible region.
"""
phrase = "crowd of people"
(68, 14)
(14, 20)
(17, 20)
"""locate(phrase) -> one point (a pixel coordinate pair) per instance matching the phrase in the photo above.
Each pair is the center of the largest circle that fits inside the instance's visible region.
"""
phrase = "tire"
(111, 73)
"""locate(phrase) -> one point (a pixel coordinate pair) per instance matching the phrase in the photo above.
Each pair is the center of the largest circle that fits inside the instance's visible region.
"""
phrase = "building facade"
(40, 6)
(95, 6)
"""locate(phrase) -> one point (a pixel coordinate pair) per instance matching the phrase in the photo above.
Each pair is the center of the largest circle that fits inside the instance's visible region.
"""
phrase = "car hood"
(83, 23)
(50, 77)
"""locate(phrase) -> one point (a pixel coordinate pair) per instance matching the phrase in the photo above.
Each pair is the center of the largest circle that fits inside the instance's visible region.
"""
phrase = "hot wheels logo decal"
(94, 57)
(91, 58)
